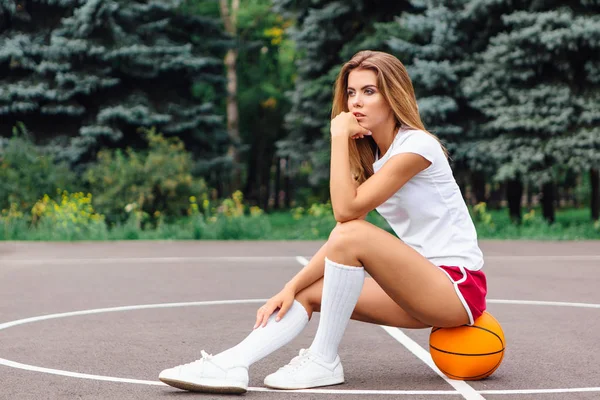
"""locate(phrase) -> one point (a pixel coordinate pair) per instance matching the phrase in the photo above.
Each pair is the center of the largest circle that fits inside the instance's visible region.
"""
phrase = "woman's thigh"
(409, 279)
(374, 306)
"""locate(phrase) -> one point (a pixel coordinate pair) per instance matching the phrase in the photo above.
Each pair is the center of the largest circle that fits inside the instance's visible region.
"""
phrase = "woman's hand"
(282, 301)
(345, 124)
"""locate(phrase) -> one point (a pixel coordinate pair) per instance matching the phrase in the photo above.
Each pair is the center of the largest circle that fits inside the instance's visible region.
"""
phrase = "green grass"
(285, 227)
(571, 224)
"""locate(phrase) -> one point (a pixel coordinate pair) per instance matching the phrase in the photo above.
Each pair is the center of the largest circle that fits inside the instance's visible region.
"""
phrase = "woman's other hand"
(282, 301)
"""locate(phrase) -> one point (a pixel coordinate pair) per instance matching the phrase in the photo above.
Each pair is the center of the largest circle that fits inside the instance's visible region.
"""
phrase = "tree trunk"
(548, 200)
(595, 200)
(250, 191)
(478, 187)
(229, 16)
(264, 193)
(277, 204)
(287, 184)
(496, 196)
(514, 193)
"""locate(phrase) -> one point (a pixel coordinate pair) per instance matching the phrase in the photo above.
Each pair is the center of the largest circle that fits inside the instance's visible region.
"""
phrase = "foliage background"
(114, 114)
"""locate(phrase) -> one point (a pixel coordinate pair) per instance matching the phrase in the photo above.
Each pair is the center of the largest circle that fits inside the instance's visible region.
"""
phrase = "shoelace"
(297, 361)
(205, 357)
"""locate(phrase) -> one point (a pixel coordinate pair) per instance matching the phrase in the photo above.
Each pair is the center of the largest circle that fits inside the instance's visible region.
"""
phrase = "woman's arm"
(349, 202)
(283, 300)
(314, 270)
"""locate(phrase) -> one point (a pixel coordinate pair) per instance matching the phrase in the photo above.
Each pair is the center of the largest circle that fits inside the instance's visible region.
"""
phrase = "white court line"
(139, 260)
(127, 308)
(70, 374)
(588, 257)
(33, 368)
(543, 303)
(463, 388)
(257, 259)
(14, 364)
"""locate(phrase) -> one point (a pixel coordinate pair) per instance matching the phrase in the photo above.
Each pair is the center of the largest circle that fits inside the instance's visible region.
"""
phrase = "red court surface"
(101, 320)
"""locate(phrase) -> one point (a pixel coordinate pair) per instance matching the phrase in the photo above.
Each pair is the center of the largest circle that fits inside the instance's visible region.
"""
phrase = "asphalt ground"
(101, 320)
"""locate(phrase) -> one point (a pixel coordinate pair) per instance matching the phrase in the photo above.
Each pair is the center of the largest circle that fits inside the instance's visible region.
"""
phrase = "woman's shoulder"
(419, 141)
(415, 135)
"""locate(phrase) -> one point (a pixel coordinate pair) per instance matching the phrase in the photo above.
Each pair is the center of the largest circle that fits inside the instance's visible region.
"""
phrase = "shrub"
(229, 220)
(156, 180)
(70, 218)
(13, 224)
(27, 172)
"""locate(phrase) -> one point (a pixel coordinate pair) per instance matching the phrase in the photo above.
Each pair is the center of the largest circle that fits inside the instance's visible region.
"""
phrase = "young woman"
(381, 158)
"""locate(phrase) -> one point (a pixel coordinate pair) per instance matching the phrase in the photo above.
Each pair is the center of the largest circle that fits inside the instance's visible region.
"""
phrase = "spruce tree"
(438, 41)
(86, 74)
(538, 84)
(327, 34)
(451, 49)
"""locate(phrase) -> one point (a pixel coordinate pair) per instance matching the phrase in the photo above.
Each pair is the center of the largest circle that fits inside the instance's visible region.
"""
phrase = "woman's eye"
(369, 91)
(350, 93)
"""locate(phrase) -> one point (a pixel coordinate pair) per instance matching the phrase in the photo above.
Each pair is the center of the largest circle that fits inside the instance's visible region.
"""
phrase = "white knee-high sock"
(342, 285)
(262, 341)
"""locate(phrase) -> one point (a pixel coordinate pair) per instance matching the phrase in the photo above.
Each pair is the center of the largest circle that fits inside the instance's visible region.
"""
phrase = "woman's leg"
(264, 340)
(227, 372)
(409, 279)
(374, 306)
(407, 291)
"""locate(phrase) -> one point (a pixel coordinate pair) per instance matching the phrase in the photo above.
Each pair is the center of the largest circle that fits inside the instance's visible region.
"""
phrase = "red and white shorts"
(471, 287)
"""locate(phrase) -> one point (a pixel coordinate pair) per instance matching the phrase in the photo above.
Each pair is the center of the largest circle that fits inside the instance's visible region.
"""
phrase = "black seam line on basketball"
(492, 332)
(464, 354)
(483, 329)
(476, 376)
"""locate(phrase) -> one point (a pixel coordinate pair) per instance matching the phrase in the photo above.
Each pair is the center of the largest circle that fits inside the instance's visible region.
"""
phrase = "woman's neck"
(384, 136)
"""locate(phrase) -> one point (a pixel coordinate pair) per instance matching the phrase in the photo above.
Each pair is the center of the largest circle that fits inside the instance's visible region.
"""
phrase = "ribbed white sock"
(262, 341)
(342, 285)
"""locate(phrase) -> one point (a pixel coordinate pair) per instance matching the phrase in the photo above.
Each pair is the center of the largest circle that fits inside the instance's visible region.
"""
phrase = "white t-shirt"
(428, 213)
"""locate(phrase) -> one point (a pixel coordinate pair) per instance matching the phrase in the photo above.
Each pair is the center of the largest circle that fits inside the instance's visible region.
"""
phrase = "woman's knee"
(345, 231)
(345, 234)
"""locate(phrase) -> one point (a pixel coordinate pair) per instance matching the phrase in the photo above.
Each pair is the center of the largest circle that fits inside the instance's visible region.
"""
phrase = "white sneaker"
(205, 375)
(307, 371)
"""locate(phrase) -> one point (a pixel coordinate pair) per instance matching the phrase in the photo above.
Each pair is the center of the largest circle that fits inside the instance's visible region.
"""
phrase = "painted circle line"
(34, 368)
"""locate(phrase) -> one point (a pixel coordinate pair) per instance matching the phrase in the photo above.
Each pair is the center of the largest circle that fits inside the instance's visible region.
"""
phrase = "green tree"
(326, 34)
(264, 72)
(86, 74)
(439, 43)
(454, 53)
(435, 40)
(538, 84)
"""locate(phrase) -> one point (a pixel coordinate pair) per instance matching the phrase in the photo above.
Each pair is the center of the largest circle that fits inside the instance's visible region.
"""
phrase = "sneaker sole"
(314, 384)
(204, 388)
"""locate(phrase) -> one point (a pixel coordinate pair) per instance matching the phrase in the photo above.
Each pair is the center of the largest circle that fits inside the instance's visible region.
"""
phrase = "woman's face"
(365, 100)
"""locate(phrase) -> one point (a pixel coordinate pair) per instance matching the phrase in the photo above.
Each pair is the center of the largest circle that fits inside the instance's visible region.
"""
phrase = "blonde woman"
(381, 158)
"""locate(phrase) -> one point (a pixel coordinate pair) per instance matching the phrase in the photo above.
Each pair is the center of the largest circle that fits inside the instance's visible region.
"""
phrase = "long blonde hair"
(397, 89)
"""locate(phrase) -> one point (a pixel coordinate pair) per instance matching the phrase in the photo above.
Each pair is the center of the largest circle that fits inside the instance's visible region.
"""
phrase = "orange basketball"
(468, 352)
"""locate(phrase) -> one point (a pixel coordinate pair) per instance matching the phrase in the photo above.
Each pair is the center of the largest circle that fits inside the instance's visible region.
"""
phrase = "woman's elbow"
(342, 216)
